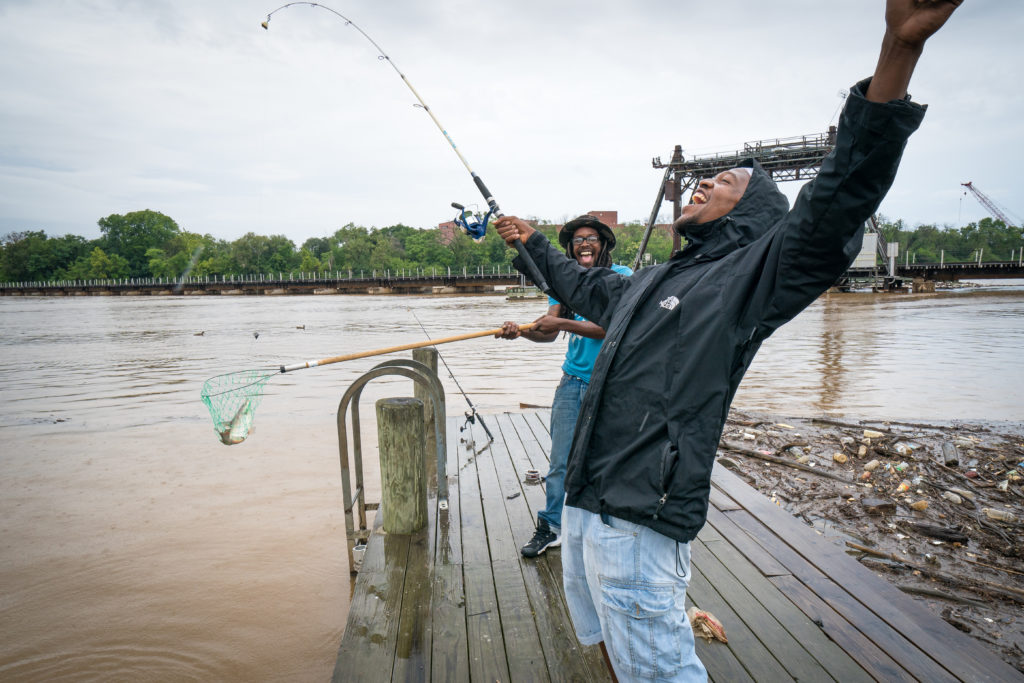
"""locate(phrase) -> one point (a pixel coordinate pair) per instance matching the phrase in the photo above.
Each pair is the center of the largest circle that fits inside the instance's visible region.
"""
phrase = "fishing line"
(535, 275)
(471, 414)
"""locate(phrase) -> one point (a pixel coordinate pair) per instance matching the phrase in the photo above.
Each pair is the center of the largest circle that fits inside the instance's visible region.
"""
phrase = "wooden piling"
(428, 356)
(402, 471)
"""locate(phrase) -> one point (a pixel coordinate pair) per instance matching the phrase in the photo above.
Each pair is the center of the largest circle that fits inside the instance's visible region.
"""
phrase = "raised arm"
(908, 24)
(588, 291)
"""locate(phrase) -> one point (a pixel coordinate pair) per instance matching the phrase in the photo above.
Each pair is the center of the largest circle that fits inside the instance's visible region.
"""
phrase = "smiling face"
(714, 197)
(586, 246)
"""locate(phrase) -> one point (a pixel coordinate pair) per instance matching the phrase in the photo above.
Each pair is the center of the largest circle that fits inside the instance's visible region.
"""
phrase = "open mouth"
(698, 198)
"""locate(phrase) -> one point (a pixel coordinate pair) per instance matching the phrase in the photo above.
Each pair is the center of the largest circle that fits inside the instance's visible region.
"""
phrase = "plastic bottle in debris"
(952, 498)
(999, 515)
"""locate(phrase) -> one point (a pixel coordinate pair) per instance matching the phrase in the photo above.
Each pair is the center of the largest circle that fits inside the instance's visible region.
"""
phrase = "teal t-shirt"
(579, 359)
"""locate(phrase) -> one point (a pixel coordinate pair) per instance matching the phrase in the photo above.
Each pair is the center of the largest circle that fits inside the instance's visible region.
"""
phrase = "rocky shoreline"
(936, 509)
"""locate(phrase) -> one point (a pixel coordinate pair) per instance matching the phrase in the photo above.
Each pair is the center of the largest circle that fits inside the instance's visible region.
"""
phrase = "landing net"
(232, 400)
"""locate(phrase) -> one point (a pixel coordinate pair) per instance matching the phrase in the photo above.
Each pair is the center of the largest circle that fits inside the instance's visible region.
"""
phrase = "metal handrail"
(420, 373)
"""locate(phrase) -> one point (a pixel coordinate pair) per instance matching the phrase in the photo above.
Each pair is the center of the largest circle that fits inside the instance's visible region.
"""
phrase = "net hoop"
(232, 399)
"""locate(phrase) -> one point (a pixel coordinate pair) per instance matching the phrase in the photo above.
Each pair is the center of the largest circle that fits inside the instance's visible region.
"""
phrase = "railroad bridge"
(384, 282)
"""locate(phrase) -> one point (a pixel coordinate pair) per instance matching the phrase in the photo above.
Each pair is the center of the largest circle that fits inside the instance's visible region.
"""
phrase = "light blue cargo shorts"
(626, 584)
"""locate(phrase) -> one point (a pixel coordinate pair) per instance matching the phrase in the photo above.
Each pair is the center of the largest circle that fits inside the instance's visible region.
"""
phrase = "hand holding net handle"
(401, 347)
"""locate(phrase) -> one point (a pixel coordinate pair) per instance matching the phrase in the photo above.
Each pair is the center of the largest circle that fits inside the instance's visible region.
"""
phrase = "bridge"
(881, 272)
(878, 266)
(948, 272)
(420, 281)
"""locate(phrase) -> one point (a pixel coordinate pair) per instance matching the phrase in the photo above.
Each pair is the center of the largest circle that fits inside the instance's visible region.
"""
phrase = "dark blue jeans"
(564, 410)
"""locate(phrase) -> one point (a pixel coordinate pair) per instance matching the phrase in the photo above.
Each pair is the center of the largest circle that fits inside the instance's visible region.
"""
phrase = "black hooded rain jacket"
(681, 334)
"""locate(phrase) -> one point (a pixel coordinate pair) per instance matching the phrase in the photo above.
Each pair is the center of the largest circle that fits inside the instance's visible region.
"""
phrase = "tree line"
(149, 244)
(989, 239)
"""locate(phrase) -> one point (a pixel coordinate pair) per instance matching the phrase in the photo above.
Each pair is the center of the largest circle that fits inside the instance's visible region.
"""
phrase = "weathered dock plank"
(458, 602)
(485, 640)
(449, 659)
(808, 635)
(894, 622)
(562, 652)
(368, 649)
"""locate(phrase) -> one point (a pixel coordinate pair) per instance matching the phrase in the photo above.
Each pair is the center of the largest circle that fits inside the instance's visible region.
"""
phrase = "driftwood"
(846, 425)
(992, 566)
(939, 594)
(733, 448)
(940, 532)
(745, 422)
(1010, 592)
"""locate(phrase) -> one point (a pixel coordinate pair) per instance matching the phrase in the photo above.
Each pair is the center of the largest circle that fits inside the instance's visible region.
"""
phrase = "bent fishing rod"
(535, 274)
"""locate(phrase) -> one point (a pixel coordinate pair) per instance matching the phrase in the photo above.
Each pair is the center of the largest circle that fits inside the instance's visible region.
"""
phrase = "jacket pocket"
(640, 618)
(667, 462)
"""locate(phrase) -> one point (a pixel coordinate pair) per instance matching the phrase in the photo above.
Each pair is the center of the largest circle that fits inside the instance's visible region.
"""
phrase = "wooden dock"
(457, 602)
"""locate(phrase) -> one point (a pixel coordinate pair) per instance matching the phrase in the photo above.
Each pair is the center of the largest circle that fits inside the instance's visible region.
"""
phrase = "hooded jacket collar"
(761, 206)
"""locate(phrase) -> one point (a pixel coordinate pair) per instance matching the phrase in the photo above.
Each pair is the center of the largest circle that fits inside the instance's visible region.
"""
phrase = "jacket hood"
(761, 206)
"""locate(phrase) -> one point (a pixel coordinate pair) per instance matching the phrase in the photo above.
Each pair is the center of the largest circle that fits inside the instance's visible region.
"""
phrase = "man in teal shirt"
(589, 242)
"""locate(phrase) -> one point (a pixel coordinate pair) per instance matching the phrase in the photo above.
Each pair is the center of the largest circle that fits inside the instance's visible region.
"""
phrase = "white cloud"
(191, 109)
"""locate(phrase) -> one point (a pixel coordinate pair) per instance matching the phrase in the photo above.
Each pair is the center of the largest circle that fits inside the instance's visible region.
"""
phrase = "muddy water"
(134, 545)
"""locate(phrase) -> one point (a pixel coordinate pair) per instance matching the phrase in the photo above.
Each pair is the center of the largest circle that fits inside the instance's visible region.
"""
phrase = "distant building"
(446, 232)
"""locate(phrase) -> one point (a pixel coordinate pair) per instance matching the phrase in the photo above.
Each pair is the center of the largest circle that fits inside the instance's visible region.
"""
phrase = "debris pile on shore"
(938, 510)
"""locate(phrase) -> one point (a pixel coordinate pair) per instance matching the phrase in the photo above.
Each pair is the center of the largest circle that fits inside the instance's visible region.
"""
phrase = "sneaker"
(543, 538)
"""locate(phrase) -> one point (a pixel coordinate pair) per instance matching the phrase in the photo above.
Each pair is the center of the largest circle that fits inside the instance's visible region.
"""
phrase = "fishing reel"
(471, 222)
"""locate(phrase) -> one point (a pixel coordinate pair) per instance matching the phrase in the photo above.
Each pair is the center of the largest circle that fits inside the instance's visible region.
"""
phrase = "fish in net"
(232, 400)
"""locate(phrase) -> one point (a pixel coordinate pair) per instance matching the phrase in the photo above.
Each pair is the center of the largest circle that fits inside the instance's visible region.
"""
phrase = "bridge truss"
(795, 158)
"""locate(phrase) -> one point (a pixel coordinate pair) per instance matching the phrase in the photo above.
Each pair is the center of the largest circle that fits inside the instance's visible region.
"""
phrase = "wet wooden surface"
(457, 601)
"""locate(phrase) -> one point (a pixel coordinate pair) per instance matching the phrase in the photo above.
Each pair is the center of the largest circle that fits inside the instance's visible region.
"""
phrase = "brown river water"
(135, 546)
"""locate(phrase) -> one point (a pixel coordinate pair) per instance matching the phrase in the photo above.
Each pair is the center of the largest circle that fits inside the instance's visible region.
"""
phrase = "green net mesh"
(232, 400)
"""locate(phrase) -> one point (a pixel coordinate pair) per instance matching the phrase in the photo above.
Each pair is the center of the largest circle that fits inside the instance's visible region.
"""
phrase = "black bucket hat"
(586, 221)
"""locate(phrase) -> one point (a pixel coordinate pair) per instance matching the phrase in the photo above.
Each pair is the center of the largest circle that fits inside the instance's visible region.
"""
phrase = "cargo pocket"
(641, 623)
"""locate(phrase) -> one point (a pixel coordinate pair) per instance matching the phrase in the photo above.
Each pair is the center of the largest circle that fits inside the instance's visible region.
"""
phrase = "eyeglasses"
(589, 239)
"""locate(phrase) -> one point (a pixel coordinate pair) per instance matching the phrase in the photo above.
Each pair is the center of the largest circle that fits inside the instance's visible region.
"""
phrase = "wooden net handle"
(400, 347)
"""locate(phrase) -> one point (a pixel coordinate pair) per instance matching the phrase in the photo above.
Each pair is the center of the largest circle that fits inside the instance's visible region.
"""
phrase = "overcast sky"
(191, 109)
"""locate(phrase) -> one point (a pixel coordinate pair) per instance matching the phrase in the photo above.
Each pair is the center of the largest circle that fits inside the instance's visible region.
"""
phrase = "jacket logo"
(670, 303)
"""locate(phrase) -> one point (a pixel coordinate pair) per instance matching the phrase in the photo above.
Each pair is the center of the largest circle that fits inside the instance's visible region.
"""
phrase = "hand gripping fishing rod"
(535, 275)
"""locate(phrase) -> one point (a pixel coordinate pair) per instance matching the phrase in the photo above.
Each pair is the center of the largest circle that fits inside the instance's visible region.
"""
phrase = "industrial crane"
(989, 205)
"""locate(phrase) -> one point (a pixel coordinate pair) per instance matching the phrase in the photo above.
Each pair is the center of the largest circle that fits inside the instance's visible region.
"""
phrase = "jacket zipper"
(665, 468)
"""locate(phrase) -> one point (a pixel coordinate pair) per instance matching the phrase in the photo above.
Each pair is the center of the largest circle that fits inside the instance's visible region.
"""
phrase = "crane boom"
(989, 205)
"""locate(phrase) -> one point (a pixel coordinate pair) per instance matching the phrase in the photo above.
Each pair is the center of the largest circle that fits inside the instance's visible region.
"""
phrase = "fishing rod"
(471, 414)
(535, 275)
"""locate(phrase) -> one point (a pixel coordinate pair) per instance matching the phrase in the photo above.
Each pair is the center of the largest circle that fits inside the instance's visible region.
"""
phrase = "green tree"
(281, 256)
(307, 262)
(32, 256)
(98, 265)
(133, 234)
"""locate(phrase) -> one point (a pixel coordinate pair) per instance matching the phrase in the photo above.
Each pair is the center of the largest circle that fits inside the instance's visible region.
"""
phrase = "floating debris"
(943, 505)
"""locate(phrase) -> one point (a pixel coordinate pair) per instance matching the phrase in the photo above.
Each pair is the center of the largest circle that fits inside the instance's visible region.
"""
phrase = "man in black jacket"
(680, 336)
